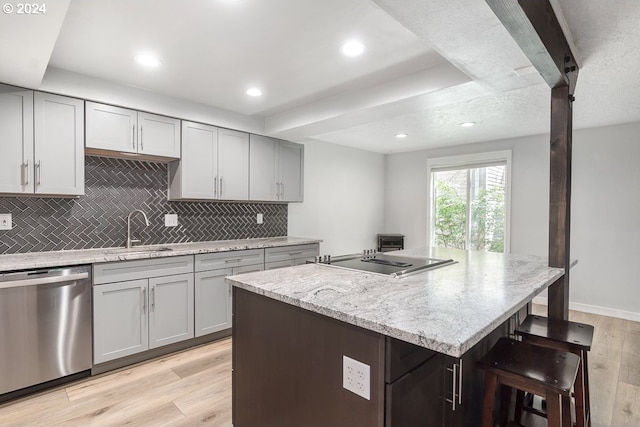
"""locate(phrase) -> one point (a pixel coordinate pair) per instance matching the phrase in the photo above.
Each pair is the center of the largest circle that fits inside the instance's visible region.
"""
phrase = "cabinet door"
(213, 302)
(171, 306)
(16, 137)
(233, 165)
(119, 320)
(158, 135)
(59, 144)
(291, 161)
(415, 399)
(111, 128)
(263, 164)
(194, 176)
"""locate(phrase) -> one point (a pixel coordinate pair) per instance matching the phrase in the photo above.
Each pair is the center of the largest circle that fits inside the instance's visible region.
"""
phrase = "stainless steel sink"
(137, 250)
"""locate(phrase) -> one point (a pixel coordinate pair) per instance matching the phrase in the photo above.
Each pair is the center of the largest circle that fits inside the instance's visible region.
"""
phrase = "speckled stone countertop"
(92, 256)
(447, 309)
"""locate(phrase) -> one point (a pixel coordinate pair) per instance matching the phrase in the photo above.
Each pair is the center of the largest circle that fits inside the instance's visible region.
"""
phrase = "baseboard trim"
(595, 309)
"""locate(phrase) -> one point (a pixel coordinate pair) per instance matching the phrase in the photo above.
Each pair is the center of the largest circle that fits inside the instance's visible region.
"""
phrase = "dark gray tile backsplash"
(115, 187)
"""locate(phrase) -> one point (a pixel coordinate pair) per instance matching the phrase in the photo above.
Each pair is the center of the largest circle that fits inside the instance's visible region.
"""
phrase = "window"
(469, 201)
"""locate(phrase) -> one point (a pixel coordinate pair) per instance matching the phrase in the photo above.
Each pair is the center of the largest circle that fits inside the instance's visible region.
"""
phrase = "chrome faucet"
(129, 241)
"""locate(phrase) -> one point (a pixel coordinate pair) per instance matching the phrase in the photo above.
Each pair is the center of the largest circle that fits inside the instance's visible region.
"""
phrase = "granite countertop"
(447, 309)
(92, 256)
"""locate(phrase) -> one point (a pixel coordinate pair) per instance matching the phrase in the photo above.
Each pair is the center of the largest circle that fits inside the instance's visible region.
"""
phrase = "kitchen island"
(293, 326)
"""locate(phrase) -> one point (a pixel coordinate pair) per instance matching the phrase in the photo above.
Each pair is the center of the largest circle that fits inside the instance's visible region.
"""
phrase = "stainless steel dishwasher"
(45, 325)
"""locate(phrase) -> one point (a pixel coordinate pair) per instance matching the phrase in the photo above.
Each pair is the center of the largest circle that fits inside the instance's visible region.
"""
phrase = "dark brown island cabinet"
(288, 372)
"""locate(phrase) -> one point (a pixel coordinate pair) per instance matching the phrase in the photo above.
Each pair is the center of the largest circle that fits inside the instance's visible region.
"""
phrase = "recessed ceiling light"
(467, 124)
(254, 91)
(148, 60)
(353, 48)
(401, 135)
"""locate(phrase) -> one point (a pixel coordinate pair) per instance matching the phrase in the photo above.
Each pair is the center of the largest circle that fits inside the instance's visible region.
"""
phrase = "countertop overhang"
(31, 260)
(447, 309)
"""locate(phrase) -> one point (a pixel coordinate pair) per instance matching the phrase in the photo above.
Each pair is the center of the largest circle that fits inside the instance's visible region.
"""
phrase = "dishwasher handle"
(43, 280)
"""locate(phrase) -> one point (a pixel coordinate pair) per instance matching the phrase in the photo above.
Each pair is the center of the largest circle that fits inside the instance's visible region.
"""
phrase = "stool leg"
(579, 394)
(587, 402)
(554, 411)
(505, 403)
(566, 411)
(517, 416)
(488, 400)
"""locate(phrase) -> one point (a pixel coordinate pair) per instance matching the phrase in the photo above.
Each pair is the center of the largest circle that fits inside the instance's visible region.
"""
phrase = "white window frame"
(469, 161)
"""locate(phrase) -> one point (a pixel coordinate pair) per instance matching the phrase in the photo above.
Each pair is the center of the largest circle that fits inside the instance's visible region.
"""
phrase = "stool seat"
(528, 368)
(562, 335)
(551, 369)
(560, 331)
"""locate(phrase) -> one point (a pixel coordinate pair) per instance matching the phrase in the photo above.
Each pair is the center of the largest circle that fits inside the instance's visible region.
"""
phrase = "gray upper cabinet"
(276, 170)
(263, 168)
(16, 136)
(111, 128)
(43, 143)
(158, 135)
(290, 165)
(120, 130)
(214, 165)
(59, 144)
(233, 165)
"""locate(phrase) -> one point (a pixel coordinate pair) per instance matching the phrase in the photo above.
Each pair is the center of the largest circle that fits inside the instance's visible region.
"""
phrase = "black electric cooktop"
(388, 265)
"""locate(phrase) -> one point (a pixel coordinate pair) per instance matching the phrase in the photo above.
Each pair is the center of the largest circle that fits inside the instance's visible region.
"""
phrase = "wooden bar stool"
(530, 368)
(568, 336)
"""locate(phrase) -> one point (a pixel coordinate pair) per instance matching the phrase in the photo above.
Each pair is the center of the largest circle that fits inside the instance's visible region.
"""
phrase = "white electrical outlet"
(170, 220)
(356, 377)
(5, 222)
(259, 218)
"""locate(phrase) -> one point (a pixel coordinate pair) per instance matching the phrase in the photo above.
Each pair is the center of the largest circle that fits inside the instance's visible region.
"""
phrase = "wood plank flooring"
(193, 387)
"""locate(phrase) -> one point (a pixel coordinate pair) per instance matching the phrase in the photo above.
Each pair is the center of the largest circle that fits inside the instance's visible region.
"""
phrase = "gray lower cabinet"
(120, 320)
(171, 307)
(140, 305)
(213, 300)
(288, 256)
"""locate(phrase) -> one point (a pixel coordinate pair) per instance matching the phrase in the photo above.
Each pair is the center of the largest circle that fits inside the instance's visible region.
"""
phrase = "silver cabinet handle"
(233, 260)
(153, 298)
(43, 281)
(25, 173)
(453, 370)
(144, 300)
(282, 189)
(221, 187)
(133, 137)
(38, 172)
(141, 139)
(460, 384)
(295, 253)
(215, 187)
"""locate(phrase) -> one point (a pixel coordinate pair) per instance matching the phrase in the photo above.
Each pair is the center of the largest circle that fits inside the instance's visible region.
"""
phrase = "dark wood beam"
(534, 26)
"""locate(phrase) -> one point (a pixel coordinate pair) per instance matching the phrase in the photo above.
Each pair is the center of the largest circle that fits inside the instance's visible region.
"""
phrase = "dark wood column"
(560, 198)
(533, 24)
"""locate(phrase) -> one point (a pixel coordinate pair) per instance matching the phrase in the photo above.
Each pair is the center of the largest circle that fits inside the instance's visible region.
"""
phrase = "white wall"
(94, 89)
(605, 219)
(605, 234)
(343, 198)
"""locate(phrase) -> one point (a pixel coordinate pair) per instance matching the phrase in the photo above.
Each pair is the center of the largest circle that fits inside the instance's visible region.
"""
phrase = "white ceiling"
(429, 64)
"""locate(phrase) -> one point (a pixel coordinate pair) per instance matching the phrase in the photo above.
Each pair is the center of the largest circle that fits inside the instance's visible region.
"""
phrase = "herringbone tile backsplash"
(113, 188)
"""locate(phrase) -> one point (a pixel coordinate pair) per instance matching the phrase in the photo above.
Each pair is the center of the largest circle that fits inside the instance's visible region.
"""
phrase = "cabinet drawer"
(401, 357)
(283, 253)
(110, 272)
(231, 259)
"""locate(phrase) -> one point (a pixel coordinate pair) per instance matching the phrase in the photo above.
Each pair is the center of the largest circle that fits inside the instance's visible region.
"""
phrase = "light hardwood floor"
(194, 387)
